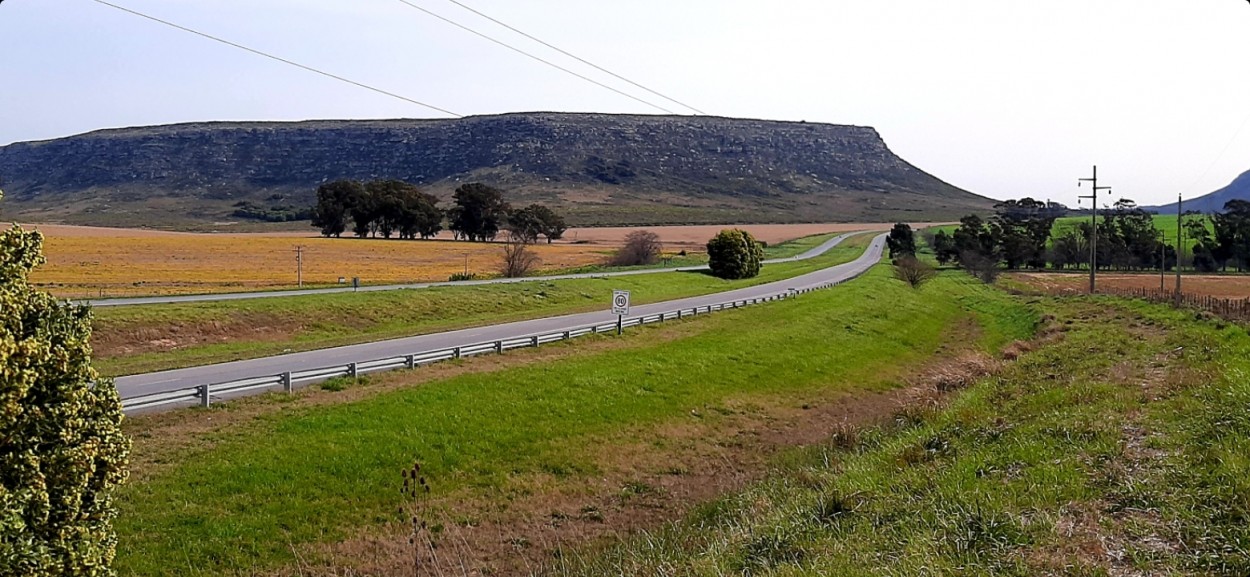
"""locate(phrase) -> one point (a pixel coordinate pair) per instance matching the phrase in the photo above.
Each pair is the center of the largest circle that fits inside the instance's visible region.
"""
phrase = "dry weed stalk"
(417, 496)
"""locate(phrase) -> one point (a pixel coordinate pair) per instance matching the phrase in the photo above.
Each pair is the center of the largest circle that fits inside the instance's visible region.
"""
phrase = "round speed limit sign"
(620, 302)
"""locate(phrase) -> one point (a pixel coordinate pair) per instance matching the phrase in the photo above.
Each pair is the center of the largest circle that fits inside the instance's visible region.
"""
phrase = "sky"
(1004, 98)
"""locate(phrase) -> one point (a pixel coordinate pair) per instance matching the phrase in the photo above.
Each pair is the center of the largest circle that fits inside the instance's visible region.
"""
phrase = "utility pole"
(299, 265)
(1180, 244)
(1093, 233)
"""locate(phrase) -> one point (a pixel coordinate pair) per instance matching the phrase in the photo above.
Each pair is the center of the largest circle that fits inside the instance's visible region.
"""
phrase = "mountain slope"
(1213, 202)
(598, 168)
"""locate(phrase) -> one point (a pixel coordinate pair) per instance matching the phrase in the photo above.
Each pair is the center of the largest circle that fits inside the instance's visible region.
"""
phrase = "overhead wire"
(279, 59)
(531, 56)
(574, 56)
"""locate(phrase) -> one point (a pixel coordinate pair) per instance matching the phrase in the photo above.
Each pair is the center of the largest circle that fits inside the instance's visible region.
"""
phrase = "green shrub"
(63, 452)
(734, 254)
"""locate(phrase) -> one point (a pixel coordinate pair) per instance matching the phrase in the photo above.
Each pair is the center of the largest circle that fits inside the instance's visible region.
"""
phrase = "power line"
(278, 58)
(524, 53)
(575, 57)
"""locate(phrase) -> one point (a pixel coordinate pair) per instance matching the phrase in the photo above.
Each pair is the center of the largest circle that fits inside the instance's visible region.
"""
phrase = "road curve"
(119, 302)
(164, 381)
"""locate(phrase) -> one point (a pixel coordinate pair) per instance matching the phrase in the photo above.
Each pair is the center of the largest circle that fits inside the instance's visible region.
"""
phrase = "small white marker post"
(620, 308)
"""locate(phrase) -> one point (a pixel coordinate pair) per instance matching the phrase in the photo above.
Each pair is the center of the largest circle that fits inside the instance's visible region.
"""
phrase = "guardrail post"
(455, 353)
(410, 361)
(568, 336)
(534, 341)
(286, 382)
(351, 370)
(678, 314)
(205, 395)
(499, 347)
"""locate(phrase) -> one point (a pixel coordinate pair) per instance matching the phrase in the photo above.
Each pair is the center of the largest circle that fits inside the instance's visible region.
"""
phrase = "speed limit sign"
(620, 303)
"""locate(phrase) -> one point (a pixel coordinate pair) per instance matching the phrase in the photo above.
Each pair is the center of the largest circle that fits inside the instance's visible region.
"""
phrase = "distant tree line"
(386, 208)
(1019, 235)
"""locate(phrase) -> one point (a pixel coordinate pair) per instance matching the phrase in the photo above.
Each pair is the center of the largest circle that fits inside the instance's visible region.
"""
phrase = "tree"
(526, 223)
(518, 259)
(334, 203)
(944, 248)
(641, 247)
(63, 452)
(902, 241)
(1021, 230)
(1232, 235)
(479, 213)
(734, 254)
(553, 225)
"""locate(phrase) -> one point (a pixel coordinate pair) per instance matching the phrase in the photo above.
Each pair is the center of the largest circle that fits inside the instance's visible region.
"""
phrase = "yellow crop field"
(91, 263)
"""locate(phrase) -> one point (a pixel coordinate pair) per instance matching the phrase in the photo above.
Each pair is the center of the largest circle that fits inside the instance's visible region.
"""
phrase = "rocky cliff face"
(599, 168)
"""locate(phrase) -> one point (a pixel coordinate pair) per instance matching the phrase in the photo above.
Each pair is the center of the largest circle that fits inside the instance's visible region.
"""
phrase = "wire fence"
(1231, 309)
(205, 395)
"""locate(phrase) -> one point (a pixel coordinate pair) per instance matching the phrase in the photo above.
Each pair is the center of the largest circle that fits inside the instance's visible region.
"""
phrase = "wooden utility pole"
(1180, 243)
(299, 266)
(1093, 233)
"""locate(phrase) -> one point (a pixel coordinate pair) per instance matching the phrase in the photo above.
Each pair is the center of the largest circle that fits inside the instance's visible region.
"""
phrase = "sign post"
(620, 308)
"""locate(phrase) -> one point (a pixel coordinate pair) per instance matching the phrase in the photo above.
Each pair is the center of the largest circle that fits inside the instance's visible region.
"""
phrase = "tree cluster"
(734, 254)
(384, 208)
(1228, 245)
(1019, 236)
(62, 453)
(379, 208)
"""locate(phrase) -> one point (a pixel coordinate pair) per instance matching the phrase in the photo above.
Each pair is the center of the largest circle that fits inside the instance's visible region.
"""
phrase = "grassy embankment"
(1124, 449)
(263, 492)
(130, 340)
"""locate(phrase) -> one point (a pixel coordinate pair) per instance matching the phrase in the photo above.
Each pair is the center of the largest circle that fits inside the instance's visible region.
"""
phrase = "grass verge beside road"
(139, 339)
(1123, 449)
(263, 493)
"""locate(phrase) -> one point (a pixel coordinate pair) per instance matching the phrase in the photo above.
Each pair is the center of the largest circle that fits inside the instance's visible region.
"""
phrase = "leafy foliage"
(479, 214)
(62, 451)
(902, 241)
(734, 254)
(379, 207)
(536, 219)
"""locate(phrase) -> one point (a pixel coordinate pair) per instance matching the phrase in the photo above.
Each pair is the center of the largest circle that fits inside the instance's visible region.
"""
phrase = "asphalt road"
(151, 383)
(119, 302)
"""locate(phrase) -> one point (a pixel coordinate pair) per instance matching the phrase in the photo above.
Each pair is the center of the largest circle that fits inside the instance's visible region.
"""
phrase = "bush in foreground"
(913, 271)
(734, 254)
(62, 451)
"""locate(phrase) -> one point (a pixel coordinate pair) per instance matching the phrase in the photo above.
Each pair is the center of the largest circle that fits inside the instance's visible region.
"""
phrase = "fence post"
(286, 382)
(411, 361)
(205, 395)
(351, 370)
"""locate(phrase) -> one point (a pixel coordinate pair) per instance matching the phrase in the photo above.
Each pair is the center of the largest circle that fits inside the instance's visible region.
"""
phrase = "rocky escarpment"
(599, 168)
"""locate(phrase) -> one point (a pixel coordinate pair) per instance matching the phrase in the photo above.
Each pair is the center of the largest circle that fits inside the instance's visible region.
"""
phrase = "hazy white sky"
(1005, 98)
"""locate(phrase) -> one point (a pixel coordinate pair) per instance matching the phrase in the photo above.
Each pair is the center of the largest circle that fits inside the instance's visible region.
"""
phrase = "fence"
(204, 395)
(1231, 309)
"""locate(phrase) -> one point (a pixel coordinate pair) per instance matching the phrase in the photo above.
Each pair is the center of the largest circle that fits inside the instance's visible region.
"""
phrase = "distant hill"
(1214, 202)
(598, 168)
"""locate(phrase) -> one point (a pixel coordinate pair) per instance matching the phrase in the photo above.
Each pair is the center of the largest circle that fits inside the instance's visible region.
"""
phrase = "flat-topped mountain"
(598, 168)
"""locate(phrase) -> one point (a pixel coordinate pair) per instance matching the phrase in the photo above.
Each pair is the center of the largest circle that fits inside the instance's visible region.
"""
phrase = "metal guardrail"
(205, 395)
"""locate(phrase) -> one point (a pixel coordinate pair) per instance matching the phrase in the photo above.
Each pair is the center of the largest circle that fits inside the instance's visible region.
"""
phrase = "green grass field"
(261, 493)
(1123, 449)
(211, 332)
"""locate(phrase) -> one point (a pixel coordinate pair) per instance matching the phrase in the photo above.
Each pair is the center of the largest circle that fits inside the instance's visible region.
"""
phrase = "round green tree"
(734, 254)
(62, 451)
